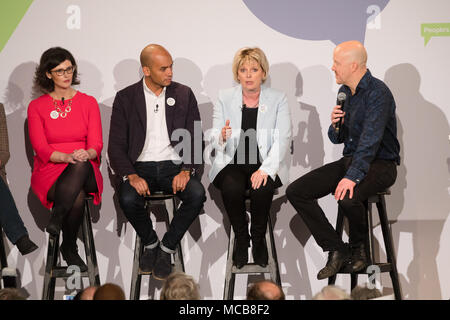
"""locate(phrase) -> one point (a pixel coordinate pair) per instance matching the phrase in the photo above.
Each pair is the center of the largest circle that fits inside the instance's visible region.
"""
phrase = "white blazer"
(273, 131)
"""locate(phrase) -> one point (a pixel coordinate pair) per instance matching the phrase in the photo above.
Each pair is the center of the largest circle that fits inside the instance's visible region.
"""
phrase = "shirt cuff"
(355, 175)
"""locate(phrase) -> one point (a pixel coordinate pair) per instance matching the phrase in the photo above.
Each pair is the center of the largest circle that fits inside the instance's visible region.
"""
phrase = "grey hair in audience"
(180, 286)
(332, 292)
(364, 293)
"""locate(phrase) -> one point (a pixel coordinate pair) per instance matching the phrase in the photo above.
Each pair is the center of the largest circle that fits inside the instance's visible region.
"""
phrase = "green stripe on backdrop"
(11, 13)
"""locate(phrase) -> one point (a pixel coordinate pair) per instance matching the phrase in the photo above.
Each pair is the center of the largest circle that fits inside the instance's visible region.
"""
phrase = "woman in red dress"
(66, 133)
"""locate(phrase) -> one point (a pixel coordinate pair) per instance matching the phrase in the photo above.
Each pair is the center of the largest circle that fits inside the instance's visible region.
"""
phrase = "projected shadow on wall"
(423, 174)
(18, 95)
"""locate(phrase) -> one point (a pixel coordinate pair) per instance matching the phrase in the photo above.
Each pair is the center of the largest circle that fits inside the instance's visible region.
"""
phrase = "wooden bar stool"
(272, 266)
(170, 201)
(389, 266)
(54, 271)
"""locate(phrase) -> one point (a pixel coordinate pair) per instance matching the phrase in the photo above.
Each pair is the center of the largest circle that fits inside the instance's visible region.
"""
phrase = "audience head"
(11, 294)
(265, 290)
(364, 293)
(109, 291)
(45, 75)
(332, 292)
(86, 294)
(180, 286)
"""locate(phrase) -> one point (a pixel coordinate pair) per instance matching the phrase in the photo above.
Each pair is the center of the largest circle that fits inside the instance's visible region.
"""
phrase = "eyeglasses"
(61, 72)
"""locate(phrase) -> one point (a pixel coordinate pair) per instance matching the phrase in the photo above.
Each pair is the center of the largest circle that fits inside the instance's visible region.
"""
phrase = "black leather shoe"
(359, 258)
(25, 245)
(70, 255)
(163, 265)
(259, 251)
(148, 259)
(240, 254)
(336, 259)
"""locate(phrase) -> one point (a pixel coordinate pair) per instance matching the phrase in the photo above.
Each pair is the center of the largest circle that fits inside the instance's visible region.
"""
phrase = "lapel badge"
(170, 101)
(262, 108)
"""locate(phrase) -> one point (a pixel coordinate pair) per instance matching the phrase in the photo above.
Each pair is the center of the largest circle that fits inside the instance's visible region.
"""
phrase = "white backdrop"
(106, 38)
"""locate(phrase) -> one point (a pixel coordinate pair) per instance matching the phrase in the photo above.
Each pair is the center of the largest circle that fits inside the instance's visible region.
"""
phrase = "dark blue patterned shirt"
(369, 130)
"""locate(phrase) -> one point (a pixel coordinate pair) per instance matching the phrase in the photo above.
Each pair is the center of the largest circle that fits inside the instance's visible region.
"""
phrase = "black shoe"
(163, 265)
(240, 254)
(25, 245)
(359, 258)
(70, 255)
(148, 259)
(56, 221)
(336, 259)
(259, 251)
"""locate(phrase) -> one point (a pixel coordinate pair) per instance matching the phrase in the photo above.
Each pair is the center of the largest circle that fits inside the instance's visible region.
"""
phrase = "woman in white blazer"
(251, 136)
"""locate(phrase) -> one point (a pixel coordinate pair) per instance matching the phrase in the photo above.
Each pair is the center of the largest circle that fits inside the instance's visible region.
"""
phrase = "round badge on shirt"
(170, 101)
(262, 108)
(54, 114)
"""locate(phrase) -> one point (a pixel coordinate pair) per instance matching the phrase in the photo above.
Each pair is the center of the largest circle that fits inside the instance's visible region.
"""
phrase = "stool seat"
(54, 271)
(272, 266)
(178, 263)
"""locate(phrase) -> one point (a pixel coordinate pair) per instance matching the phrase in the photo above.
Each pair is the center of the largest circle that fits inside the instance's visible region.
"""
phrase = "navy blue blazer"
(129, 126)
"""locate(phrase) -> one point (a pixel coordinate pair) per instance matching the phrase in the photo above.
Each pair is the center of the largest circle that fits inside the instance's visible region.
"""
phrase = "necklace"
(58, 112)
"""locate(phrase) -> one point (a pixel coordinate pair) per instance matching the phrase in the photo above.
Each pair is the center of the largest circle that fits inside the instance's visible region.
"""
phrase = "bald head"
(349, 63)
(150, 51)
(352, 51)
(265, 290)
(88, 293)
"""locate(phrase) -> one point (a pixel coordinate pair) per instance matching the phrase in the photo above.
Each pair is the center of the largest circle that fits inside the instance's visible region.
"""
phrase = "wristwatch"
(190, 170)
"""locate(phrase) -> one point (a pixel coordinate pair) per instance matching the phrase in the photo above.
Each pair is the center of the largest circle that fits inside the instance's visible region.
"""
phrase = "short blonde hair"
(249, 54)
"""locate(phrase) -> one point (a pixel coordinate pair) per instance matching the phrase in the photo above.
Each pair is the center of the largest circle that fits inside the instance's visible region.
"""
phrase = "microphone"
(9, 276)
(341, 99)
(62, 100)
(156, 109)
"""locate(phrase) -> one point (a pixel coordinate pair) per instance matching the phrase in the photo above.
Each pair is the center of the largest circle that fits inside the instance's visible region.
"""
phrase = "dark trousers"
(159, 176)
(304, 192)
(10, 219)
(233, 181)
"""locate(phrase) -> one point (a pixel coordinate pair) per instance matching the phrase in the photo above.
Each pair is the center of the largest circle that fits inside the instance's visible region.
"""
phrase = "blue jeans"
(159, 176)
(10, 219)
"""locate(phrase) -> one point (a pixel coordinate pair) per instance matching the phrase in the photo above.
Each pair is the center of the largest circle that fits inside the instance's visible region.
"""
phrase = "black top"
(247, 151)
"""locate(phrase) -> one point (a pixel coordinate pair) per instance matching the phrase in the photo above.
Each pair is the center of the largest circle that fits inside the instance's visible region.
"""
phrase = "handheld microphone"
(62, 100)
(341, 99)
(9, 276)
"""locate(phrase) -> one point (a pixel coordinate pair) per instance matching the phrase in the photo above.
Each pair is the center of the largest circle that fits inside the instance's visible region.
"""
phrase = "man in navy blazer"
(149, 118)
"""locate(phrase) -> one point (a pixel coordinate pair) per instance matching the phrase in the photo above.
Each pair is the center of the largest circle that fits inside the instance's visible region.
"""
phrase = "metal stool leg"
(89, 246)
(48, 291)
(387, 236)
(230, 278)
(136, 276)
(271, 250)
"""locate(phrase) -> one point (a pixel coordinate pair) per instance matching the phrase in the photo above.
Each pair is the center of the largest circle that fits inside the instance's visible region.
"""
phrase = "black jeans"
(159, 176)
(304, 192)
(233, 181)
(10, 219)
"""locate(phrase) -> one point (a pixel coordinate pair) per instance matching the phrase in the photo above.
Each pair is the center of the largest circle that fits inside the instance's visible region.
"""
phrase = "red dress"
(80, 129)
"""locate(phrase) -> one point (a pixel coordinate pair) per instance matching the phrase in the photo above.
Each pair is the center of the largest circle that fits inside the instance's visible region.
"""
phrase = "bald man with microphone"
(365, 122)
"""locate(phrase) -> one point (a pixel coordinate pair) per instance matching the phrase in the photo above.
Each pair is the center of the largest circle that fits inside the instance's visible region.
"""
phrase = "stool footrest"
(384, 267)
(250, 268)
(61, 272)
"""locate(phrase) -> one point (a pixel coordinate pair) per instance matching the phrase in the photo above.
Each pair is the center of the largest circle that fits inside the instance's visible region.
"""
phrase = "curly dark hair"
(50, 59)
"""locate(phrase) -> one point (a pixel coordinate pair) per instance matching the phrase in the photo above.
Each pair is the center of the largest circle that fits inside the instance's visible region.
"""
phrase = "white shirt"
(157, 145)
